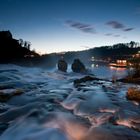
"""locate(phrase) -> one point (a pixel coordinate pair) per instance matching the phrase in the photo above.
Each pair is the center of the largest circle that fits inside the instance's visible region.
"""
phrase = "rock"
(62, 65)
(7, 94)
(78, 82)
(3, 127)
(133, 94)
(78, 66)
(130, 80)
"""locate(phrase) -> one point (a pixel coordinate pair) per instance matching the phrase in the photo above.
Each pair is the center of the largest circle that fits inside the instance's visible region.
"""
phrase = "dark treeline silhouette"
(12, 49)
(18, 51)
(106, 53)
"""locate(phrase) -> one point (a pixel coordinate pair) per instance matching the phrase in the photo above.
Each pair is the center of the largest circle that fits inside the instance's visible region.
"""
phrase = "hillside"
(12, 49)
(104, 53)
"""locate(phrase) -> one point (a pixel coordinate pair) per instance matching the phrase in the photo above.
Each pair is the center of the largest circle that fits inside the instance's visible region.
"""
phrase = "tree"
(27, 44)
(21, 42)
(132, 44)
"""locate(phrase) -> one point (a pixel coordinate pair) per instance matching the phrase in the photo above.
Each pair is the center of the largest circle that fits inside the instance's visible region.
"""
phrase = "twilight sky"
(64, 25)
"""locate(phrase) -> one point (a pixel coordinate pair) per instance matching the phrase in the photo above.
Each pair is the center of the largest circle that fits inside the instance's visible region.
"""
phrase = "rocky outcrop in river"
(62, 65)
(78, 66)
(133, 93)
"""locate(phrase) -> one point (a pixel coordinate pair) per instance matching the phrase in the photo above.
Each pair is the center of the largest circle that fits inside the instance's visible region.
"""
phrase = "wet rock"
(78, 82)
(133, 94)
(98, 119)
(4, 86)
(3, 107)
(111, 132)
(62, 65)
(78, 66)
(130, 80)
(3, 127)
(104, 88)
(7, 94)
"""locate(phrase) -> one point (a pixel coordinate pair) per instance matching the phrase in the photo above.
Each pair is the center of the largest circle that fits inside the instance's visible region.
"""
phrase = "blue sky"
(65, 25)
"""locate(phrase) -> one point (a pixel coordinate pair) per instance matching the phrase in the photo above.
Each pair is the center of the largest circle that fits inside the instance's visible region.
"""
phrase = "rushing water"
(39, 105)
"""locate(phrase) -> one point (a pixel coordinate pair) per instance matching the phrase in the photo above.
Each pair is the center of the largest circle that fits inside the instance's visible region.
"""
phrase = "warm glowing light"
(113, 64)
(121, 61)
(117, 68)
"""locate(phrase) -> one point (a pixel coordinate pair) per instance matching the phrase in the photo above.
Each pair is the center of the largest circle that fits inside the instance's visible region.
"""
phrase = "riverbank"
(130, 80)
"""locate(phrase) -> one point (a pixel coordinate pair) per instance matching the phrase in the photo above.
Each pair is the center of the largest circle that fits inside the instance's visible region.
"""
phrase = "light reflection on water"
(108, 72)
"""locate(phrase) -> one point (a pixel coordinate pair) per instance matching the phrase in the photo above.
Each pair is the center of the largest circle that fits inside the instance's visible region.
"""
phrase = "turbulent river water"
(36, 104)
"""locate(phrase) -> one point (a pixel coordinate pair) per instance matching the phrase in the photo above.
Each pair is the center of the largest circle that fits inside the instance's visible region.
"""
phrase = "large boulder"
(133, 94)
(78, 82)
(7, 94)
(62, 65)
(78, 66)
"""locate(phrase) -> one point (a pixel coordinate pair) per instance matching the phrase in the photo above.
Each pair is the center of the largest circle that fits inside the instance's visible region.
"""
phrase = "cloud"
(81, 26)
(128, 29)
(108, 34)
(118, 25)
(113, 35)
(115, 24)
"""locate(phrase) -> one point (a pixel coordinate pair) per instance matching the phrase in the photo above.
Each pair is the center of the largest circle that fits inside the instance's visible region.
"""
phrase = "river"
(37, 104)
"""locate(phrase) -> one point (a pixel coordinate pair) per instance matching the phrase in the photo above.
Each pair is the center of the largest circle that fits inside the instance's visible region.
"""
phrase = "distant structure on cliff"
(13, 49)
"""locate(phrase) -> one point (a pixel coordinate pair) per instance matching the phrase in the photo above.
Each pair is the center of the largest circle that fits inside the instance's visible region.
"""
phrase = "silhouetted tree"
(27, 44)
(12, 49)
(21, 42)
(132, 44)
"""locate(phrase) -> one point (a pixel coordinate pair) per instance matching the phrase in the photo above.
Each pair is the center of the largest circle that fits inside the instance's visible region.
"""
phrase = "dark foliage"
(108, 53)
(12, 49)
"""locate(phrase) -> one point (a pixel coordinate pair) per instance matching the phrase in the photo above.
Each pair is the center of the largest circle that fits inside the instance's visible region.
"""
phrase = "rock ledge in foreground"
(133, 94)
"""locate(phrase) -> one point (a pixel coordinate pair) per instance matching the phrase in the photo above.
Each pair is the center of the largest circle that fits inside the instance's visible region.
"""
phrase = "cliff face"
(11, 49)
